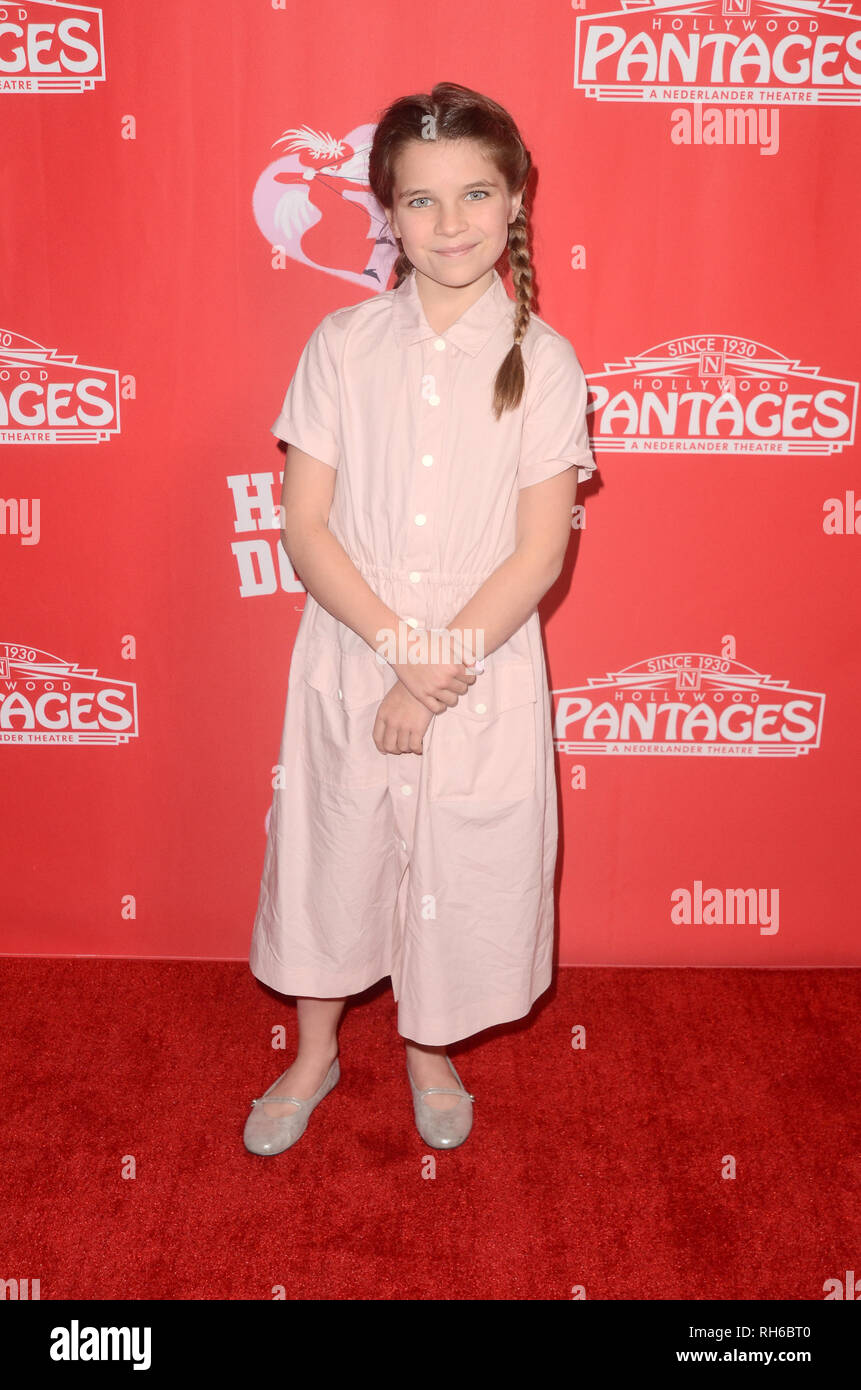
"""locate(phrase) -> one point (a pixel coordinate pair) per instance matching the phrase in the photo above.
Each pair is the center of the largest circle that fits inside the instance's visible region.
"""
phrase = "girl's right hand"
(401, 722)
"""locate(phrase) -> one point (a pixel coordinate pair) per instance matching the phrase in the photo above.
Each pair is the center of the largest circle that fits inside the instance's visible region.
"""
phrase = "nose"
(451, 221)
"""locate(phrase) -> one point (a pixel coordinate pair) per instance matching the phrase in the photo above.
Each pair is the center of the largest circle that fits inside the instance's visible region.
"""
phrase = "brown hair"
(457, 113)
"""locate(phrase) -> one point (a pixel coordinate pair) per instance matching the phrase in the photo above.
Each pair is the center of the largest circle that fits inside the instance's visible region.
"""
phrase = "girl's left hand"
(401, 722)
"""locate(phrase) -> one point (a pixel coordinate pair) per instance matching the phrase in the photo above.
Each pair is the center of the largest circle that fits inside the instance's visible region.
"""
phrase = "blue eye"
(422, 198)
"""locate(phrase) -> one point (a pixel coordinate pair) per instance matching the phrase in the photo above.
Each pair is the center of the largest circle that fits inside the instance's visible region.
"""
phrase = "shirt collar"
(470, 332)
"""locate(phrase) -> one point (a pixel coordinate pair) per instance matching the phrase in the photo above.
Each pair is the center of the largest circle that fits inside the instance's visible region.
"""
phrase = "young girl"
(436, 432)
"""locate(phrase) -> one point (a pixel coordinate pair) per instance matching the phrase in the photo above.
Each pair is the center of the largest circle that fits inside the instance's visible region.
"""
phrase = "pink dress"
(435, 868)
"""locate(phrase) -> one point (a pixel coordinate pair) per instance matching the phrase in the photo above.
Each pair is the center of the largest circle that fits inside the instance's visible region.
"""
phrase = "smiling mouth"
(457, 250)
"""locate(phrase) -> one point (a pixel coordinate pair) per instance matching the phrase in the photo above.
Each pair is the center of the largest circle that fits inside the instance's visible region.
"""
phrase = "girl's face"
(451, 208)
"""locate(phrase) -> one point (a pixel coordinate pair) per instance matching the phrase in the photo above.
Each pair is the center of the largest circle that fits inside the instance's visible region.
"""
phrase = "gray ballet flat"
(442, 1129)
(270, 1134)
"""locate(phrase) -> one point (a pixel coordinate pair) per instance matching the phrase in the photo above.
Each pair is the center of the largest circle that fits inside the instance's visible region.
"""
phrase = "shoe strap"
(444, 1091)
(286, 1100)
(279, 1100)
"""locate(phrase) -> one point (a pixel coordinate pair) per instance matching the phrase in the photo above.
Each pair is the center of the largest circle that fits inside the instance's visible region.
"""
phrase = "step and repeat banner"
(184, 197)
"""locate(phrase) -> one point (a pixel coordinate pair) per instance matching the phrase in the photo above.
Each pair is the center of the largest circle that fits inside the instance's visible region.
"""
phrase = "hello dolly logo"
(44, 699)
(712, 393)
(314, 205)
(688, 703)
(47, 397)
(795, 51)
(50, 47)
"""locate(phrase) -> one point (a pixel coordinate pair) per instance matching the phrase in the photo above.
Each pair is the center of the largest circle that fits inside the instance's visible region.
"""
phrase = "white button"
(414, 576)
(413, 622)
(427, 460)
(481, 709)
(406, 789)
(403, 844)
(421, 519)
(440, 344)
(340, 694)
(433, 400)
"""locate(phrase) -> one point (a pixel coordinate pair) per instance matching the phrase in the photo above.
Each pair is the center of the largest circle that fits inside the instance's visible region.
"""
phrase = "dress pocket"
(342, 693)
(483, 748)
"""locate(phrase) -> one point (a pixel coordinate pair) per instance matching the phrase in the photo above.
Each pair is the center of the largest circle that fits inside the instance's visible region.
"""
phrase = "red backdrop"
(696, 228)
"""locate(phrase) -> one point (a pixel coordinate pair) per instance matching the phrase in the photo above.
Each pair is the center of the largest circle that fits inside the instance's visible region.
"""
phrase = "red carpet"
(598, 1168)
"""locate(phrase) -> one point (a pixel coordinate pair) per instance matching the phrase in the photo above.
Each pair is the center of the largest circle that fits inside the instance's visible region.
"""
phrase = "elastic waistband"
(474, 577)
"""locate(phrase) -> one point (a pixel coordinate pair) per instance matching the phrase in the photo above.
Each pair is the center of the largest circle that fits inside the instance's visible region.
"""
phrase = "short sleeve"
(554, 436)
(309, 415)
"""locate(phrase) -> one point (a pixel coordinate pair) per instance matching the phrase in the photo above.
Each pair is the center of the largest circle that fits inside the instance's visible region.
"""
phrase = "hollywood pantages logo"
(691, 704)
(798, 52)
(716, 393)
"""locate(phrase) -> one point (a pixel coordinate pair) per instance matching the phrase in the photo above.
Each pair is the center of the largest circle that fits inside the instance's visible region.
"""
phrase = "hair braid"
(511, 377)
(403, 266)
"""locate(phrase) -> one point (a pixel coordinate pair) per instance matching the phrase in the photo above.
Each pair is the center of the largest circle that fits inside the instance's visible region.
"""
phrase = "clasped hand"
(422, 690)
